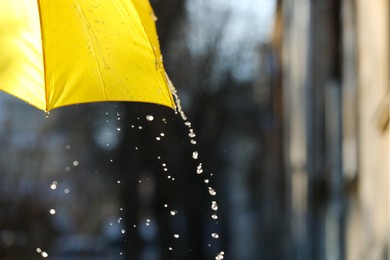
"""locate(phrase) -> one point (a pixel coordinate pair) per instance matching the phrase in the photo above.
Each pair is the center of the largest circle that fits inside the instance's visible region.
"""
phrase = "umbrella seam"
(90, 40)
(45, 83)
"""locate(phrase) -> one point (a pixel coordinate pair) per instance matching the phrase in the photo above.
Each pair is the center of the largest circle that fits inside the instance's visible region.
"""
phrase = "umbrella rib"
(43, 57)
(86, 25)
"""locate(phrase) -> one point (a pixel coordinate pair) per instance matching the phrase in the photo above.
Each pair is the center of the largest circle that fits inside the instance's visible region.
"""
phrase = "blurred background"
(289, 101)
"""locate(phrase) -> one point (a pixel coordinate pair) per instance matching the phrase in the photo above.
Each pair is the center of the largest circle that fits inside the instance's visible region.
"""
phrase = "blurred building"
(334, 63)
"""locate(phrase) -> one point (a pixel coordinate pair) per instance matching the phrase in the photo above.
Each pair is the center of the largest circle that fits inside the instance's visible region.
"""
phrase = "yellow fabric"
(63, 52)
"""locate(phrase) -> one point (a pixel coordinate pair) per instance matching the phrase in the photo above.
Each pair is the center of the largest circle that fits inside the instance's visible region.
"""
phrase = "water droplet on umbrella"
(173, 212)
(193, 141)
(176, 236)
(206, 181)
(123, 231)
(149, 118)
(75, 163)
(195, 155)
(215, 235)
(44, 254)
(52, 211)
(214, 216)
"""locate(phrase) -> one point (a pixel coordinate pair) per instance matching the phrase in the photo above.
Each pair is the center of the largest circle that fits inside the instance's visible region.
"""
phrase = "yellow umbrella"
(55, 53)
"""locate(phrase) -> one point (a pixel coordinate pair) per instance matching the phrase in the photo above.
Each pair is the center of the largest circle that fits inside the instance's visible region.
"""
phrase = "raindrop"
(170, 248)
(214, 216)
(140, 127)
(193, 141)
(188, 123)
(47, 114)
(53, 186)
(111, 160)
(165, 205)
(162, 134)
(165, 169)
(39, 250)
(173, 212)
(220, 256)
(158, 138)
(118, 182)
(120, 209)
(118, 129)
(149, 118)
(123, 231)
(195, 155)
(147, 222)
(164, 164)
(68, 147)
(66, 191)
(206, 181)
(52, 211)
(191, 134)
(75, 163)
(199, 169)
(214, 205)
(215, 235)
(44, 254)
(212, 191)
(176, 236)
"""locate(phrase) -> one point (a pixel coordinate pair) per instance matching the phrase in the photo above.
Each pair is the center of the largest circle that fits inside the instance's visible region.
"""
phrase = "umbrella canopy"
(63, 52)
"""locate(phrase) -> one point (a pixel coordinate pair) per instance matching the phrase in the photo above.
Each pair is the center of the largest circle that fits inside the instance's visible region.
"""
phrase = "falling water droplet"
(123, 231)
(214, 205)
(149, 118)
(215, 235)
(158, 138)
(212, 191)
(66, 191)
(191, 134)
(118, 129)
(176, 236)
(52, 211)
(162, 134)
(44, 254)
(173, 212)
(206, 181)
(53, 186)
(195, 155)
(199, 169)
(193, 141)
(220, 256)
(214, 216)
(75, 163)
